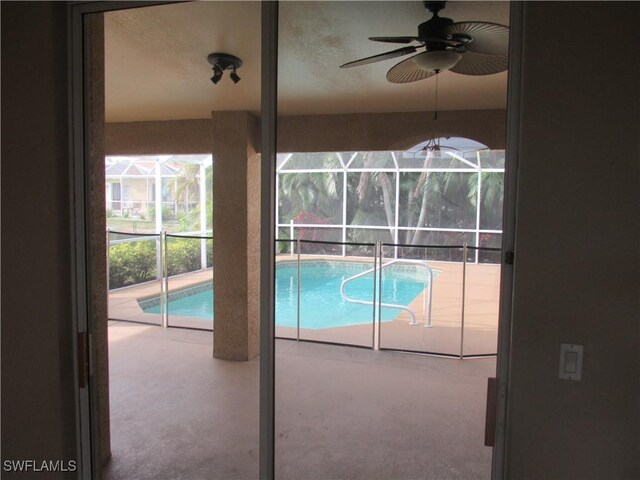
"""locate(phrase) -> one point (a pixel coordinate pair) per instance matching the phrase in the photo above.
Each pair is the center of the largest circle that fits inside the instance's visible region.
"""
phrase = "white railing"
(426, 305)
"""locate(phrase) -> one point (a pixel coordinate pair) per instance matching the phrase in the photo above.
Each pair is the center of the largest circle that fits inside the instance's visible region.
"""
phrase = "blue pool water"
(321, 305)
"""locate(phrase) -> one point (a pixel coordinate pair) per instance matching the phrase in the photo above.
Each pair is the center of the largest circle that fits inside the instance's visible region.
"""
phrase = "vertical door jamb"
(500, 450)
(267, 237)
(78, 239)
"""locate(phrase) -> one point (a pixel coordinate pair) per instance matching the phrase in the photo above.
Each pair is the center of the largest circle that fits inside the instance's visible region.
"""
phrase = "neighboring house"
(130, 184)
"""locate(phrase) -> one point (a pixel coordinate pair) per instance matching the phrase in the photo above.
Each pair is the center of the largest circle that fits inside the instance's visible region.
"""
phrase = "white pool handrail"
(413, 321)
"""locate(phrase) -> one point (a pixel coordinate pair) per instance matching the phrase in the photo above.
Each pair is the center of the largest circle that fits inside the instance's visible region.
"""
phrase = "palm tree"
(445, 199)
(428, 199)
(417, 193)
(491, 199)
(317, 192)
(187, 182)
(366, 203)
(312, 198)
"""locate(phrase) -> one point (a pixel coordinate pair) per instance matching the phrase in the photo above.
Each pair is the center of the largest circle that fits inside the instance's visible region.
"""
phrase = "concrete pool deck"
(480, 312)
(341, 413)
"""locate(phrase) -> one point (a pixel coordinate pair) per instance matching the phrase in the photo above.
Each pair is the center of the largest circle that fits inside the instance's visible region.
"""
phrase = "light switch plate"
(570, 361)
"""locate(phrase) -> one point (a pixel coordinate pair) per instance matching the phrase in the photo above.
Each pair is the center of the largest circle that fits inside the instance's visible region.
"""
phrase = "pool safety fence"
(157, 263)
(406, 289)
(427, 299)
(185, 254)
(134, 258)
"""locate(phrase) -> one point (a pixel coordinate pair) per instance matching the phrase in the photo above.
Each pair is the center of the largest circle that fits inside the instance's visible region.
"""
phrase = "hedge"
(131, 263)
(135, 262)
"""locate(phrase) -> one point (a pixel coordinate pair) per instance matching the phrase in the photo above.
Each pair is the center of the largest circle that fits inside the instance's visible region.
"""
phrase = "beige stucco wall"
(387, 131)
(151, 138)
(316, 133)
(253, 237)
(577, 255)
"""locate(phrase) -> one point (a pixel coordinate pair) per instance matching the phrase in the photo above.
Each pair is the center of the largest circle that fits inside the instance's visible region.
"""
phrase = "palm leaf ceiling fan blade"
(468, 48)
(407, 71)
(394, 39)
(382, 56)
(488, 38)
(473, 63)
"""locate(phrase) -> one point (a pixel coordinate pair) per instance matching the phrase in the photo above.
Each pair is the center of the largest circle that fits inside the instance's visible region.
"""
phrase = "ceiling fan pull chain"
(435, 113)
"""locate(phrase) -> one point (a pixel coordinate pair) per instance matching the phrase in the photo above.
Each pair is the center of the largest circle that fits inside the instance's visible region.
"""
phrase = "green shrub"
(183, 255)
(135, 262)
(209, 253)
(167, 213)
(131, 263)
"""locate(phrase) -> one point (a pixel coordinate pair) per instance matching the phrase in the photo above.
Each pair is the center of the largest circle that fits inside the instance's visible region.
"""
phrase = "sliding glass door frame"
(268, 151)
(79, 141)
(514, 94)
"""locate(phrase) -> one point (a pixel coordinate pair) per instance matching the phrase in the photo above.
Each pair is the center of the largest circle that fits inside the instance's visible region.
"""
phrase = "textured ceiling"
(156, 67)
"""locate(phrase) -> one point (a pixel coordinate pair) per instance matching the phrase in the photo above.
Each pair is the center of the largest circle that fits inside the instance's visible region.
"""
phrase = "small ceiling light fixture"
(234, 76)
(222, 62)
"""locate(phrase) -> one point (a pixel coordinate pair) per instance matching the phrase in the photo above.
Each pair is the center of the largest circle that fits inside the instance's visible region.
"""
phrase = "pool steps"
(413, 321)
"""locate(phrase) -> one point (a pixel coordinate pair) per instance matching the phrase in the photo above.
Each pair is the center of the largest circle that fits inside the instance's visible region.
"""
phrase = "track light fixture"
(217, 74)
(222, 62)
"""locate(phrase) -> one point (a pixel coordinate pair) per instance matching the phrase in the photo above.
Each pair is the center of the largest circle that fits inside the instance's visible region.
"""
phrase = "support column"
(203, 214)
(236, 233)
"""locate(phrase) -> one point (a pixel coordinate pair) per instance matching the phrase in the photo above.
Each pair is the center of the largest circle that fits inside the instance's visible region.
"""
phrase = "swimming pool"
(321, 304)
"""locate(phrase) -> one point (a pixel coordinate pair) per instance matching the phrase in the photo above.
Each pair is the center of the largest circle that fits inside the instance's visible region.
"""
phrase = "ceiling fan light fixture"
(437, 60)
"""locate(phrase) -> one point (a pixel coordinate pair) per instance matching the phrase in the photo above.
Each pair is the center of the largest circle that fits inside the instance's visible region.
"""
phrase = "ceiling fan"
(468, 48)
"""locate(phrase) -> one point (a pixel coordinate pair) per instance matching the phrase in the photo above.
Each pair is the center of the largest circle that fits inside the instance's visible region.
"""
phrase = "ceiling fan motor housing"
(430, 31)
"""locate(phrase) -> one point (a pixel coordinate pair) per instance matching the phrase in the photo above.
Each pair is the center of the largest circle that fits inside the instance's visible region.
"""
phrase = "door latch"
(509, 257)
(83, 359)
